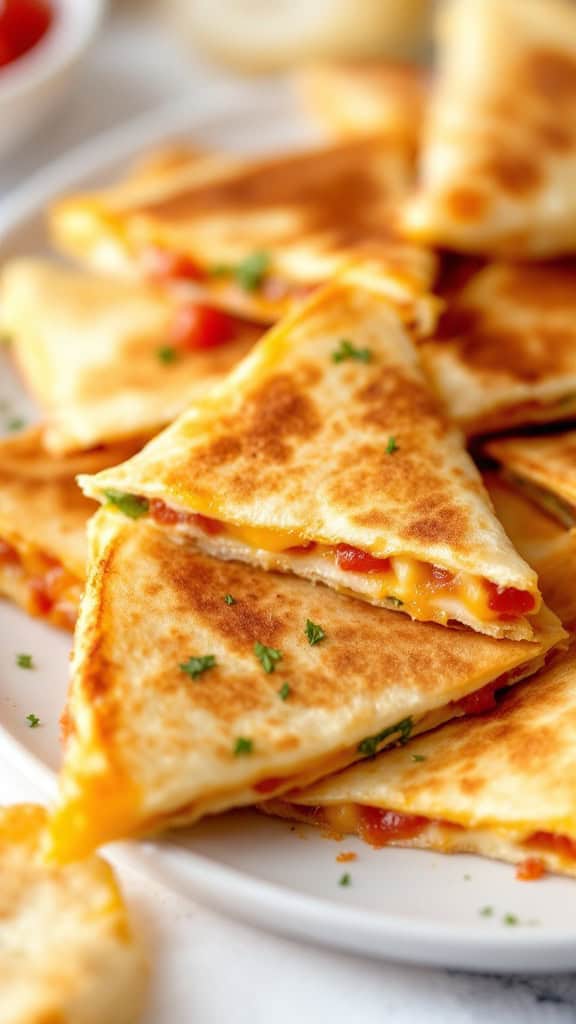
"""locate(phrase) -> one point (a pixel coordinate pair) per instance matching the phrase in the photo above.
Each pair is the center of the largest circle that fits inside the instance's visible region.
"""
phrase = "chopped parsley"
(167, 354)
(345, 879)
(346, 350)
(510, 919)
(229, 599)
(194, 667)
(249, 274)
(15, 423)
(314, 632)
(243, 746)
(33, 721)
(392, 446)
(418, 757)
(486, 912)
(129, 504)
(284, 691)
(394, 601)
(24, 661)
(370, 744)
(267, 656)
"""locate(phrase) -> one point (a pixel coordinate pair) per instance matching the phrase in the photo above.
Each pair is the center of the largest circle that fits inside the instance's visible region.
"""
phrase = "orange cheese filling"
(426, 591)
(52, 592)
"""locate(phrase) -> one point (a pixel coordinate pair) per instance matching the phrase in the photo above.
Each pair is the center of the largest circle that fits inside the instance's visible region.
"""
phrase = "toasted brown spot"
(517, 174)
(550, 73)
(466, 204)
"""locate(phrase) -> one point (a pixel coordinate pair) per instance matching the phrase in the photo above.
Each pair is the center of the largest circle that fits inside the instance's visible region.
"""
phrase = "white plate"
(401, 905)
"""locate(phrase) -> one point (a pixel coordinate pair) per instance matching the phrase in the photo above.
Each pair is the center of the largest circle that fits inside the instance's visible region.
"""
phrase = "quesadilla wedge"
(365, 97)
(324, 454)
(500, 785)
(43, 517)
(200, 685)
(545, 544)
(255, 236)
(504, 350)
(498, 154)
(109, 360)
(69, 955)
(543, 467)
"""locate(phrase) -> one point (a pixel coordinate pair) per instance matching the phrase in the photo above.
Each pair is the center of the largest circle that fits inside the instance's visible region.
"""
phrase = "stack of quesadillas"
(287, 381)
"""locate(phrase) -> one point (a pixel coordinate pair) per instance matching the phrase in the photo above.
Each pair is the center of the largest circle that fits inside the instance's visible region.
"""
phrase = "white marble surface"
(205, 968)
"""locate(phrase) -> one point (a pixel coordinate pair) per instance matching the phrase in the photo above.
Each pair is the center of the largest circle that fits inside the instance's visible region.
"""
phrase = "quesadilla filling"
(51, 592)
(553, 504)
(380, 827)
(424, 591)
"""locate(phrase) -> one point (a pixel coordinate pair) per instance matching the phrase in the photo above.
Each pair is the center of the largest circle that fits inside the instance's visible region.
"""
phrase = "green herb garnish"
(486, 912)
(284, 691)
(33, 721)
(346, 350)
(243, 746)
(249, 274)
(345, 880)
(15, 423)
(167, 354)
(267, 656)
(418, 757)
(391, 447)
(510, 919)
(129, 504)
(194, 667)
(394, 601)
(229, 599)
(24, 661)
(314, 632)
(370, 745)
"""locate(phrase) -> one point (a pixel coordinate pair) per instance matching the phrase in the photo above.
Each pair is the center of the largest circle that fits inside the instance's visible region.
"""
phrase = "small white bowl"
(33, 85)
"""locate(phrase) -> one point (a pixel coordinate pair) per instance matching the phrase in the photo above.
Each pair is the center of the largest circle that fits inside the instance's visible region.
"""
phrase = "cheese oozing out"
(424, 591)
(51, 592)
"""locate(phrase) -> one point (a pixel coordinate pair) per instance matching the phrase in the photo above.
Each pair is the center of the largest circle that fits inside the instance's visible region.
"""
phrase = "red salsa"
(23, 23)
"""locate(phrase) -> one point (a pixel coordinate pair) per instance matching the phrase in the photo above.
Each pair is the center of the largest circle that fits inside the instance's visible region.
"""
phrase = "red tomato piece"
(530, 870)
(211, 526)
(161, 265)
(8, 554)
(202, 327)
(510, 601)
(442, 577)
(268, 785)
(482, 700)
(23, 23)
(380, 827)
(351, 559)
(562, 845)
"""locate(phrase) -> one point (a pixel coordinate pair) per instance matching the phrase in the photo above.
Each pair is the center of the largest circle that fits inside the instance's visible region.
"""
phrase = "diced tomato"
(301, 549)
(268, 785)
(161, 265)
(380, 827)
(351, 559)
(163, 514)
(481, 700)
(8, 554)
(530, 870)
(211, 526)
(549, 841)
(198, 327)
(509, 601)
(41, 601)
(23, 23)
(441, 577)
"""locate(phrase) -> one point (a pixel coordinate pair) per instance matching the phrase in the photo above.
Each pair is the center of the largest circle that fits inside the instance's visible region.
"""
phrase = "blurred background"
(72, 68)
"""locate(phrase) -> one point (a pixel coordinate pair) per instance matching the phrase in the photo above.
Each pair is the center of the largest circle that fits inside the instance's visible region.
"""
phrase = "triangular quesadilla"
(544, 468)
(43, 517)
(499, 785)
(365, 97)
(69, 955)
(200, 685)
(107, 359)
(504, 351)
(545, 544)
(325, 455)
(256, 235)
(498, 155)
